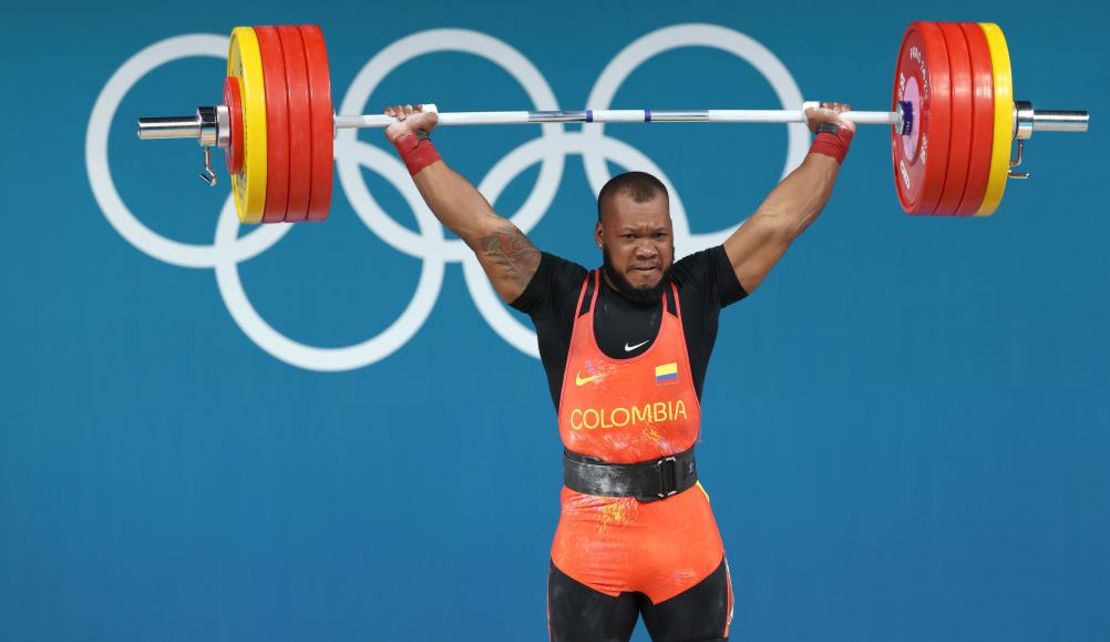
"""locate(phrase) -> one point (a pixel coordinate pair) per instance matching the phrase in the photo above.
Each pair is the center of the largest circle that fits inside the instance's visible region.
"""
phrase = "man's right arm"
(505, 253)
(757, 245)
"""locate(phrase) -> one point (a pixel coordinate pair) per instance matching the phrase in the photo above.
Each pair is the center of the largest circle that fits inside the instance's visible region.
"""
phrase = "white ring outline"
(550, 150)
(229, 249)
(100, 177)
(696, 35)
(437, 41)
(485, 297)
(349, 357)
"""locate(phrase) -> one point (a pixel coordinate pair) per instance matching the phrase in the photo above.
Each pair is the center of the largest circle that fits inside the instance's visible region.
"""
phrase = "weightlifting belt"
(646, 481)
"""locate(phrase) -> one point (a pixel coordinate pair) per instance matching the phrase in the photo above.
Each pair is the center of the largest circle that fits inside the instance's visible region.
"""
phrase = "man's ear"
(598, 234)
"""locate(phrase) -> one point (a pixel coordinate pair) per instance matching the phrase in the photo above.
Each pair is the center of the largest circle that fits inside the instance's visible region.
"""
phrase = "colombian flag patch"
(666, 373)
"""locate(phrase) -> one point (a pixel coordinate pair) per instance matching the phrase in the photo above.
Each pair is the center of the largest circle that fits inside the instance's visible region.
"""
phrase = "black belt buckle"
(668, 476)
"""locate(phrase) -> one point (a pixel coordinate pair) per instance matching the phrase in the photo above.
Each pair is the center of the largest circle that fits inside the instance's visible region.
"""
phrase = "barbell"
(953, 120)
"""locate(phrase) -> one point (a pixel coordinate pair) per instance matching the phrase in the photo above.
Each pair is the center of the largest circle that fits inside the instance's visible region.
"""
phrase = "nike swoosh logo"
(628, 348)
(579, 380)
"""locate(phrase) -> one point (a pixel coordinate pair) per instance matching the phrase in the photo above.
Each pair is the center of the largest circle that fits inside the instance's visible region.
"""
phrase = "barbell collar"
(223, 126)
(208, 127)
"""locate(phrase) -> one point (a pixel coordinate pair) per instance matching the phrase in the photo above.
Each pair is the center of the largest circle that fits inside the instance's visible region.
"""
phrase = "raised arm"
(507, 256)
(793, 205)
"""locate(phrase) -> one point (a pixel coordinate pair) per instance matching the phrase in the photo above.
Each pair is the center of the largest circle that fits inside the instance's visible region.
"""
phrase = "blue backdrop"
(905, 432)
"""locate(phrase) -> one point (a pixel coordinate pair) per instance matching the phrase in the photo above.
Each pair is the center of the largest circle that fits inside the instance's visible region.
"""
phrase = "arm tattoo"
(509, 256)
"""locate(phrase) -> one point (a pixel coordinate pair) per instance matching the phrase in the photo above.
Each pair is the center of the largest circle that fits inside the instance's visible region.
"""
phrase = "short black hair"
(641, 186)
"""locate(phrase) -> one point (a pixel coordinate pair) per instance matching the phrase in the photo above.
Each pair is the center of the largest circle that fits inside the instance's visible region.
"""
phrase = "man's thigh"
(578, 613)
(702, 612)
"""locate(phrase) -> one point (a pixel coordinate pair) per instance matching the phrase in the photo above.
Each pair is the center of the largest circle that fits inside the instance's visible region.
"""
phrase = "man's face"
(637, 240)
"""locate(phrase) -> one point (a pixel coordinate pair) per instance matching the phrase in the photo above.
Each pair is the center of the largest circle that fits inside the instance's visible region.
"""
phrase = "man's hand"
(829, 113)
(410, 118)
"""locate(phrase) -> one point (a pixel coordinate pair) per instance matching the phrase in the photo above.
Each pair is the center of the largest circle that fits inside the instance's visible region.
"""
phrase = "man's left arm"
(795, 203)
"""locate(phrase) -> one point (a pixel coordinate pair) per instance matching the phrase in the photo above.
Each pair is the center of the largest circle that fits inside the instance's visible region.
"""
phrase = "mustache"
(639, 296)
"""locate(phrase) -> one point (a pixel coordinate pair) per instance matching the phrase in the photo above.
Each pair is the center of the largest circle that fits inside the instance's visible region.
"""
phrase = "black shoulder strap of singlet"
(588, 297)
(672, 306)
(592, 282)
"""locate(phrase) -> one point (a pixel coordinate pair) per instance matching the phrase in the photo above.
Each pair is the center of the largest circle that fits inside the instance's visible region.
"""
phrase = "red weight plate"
(233, 98)
(982, 129)
(959, 148)
(277, 125)
(300, 131)
(322, 121)
(922, 79)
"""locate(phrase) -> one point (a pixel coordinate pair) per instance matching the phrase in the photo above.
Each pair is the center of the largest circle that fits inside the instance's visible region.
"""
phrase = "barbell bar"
(953, 121)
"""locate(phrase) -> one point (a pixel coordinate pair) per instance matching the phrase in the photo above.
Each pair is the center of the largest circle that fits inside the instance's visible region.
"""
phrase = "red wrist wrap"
(417, 151)
(830, 144)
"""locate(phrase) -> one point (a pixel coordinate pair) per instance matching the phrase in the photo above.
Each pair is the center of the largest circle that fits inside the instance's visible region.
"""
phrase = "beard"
(640, 296)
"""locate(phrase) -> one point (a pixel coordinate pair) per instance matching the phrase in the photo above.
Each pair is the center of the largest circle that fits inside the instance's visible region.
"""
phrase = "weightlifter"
(626, 347)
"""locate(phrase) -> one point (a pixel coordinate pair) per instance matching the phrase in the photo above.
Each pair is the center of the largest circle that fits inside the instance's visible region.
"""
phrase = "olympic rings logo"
(549, 150)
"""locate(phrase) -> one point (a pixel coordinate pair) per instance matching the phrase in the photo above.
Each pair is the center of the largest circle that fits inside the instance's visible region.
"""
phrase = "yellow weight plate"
(244, 62)
(1003, 119)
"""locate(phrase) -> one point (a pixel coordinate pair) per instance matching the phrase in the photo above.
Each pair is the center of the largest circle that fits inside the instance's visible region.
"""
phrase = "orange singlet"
(625, 411)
